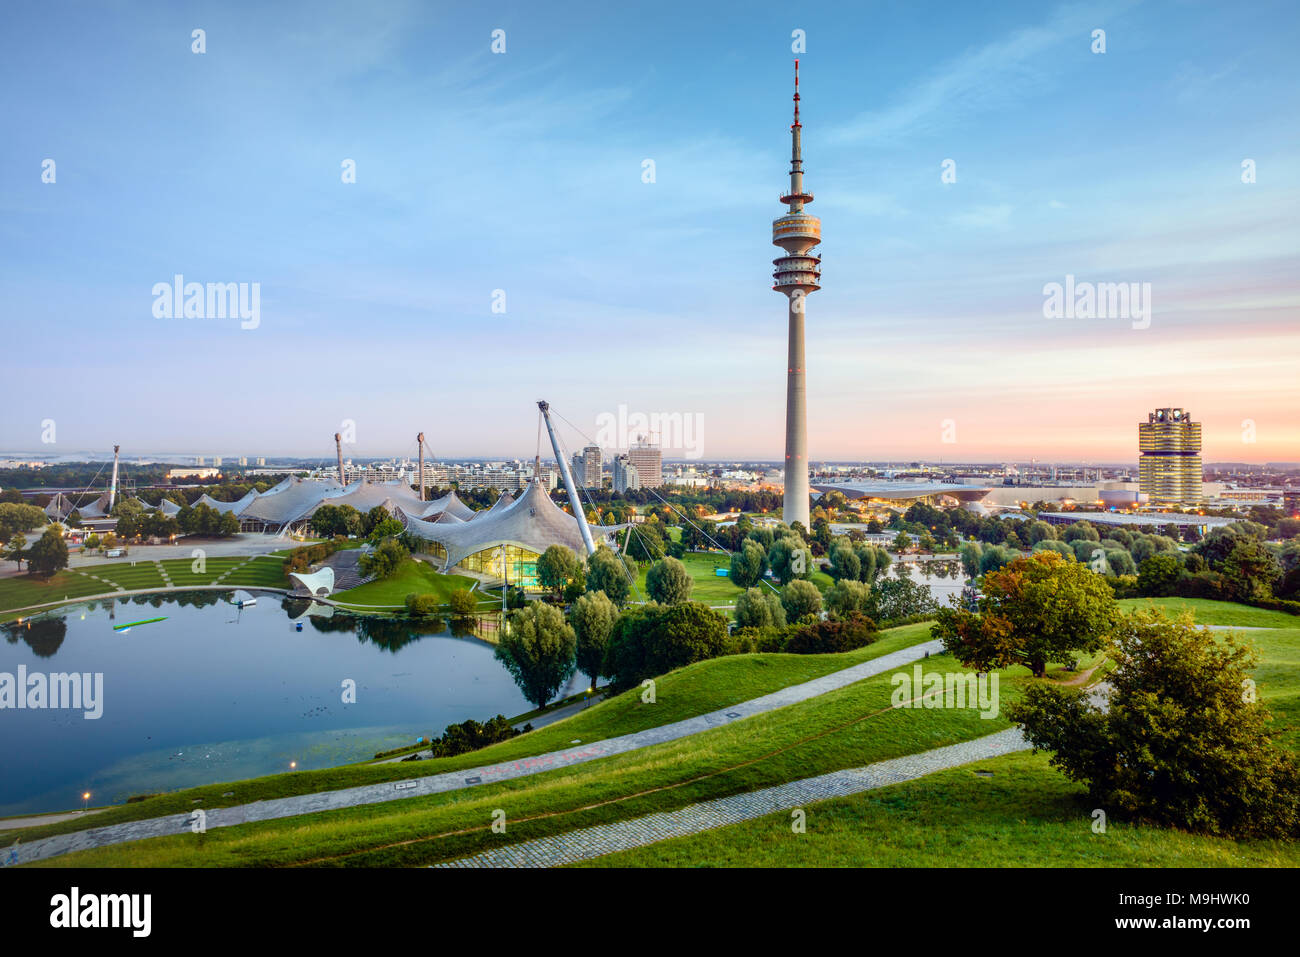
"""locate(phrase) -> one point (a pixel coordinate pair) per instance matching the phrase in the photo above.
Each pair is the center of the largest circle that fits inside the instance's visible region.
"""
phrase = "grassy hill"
(1024, 814)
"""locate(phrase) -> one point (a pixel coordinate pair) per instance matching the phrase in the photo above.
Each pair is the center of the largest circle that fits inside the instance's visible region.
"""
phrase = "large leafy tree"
(48, 554)
(538, 649)
(668, 582)
(1183, 741)
(556, 567)
(651, 639)
(609, 573)
(845, 563)
(789, 558)
(759, 608)
(748, 564)
(1037, 609)
(800, 598)
(1250, 570)
(592, 617)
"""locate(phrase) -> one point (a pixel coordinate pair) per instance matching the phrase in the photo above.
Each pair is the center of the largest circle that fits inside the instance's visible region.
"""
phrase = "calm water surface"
(215, 693)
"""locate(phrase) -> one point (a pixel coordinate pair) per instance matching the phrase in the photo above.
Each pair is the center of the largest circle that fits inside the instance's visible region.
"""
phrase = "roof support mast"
(112, 492)
(568, 481)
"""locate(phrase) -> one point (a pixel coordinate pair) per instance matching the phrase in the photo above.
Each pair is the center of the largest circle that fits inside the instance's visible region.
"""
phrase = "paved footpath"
(591, 842)
(458, 780)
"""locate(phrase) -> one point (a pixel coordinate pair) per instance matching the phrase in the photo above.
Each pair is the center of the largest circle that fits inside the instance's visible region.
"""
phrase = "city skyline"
(1123, 166)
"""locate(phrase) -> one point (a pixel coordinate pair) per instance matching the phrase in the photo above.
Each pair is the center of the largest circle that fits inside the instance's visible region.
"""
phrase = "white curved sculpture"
(317, 583)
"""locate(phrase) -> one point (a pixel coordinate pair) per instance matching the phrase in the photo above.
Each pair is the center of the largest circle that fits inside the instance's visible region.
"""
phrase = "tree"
(970, 555)
(902, 542)
(18, 517)
(652, 639)
(846, 597)
(1120, 562)
(49, 554)
(592, 617)
(893, 599)
(668, 582)
(17, 542)
(556, 567)
(845, 563)
(866, 562)
(1038, 609)
(1183, 742)
(538, 649)
(759, 608)
(647, 544)
(462, 603)
(801, 598)
(1249, 571)
(748, 564)
(385, 559)
(1158, 574)
(386, 527)
(609, 573)
(789, 559)
(1080, 531)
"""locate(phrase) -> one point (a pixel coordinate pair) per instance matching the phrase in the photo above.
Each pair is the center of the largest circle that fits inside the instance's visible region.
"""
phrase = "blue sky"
(522, 171)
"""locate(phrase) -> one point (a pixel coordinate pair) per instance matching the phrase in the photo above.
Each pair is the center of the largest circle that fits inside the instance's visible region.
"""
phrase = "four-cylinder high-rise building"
(797, 273)
(1169, 464)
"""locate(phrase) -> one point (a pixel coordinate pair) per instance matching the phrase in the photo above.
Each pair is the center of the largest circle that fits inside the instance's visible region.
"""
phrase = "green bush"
(832, 637)
(422, 605)
(462, 602)
(652, 639)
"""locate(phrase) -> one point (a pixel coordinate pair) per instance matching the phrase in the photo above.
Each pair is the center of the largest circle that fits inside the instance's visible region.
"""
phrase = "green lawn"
(696, 689)
(1026, 814)
(25, 590)
(844, 728)
(1207, 612)
(412, 577)
(709, 587)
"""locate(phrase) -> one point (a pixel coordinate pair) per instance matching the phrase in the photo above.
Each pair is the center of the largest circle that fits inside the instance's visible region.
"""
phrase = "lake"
(215, 693)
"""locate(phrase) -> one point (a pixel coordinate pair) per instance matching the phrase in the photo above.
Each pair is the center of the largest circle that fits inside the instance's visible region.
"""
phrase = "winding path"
(466, 778)
(591, 842)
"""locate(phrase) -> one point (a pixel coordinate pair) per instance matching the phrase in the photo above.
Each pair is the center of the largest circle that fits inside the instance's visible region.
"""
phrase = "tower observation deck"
(797, 273)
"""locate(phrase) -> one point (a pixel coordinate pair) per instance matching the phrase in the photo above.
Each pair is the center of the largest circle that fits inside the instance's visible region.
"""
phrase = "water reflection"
(213, 692)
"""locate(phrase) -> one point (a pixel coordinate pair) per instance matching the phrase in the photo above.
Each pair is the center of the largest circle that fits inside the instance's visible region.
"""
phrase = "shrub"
(668, 582)
(1180, 744)
(832, 637)
(759, 608)
(800, 598)
(422, 605)
(652, 639)
(462, 602)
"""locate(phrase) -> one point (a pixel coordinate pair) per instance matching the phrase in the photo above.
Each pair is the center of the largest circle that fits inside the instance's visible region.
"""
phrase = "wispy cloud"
(992, 77)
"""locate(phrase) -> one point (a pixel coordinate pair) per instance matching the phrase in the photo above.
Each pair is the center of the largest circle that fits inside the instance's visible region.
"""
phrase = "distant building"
(1169, 466)
(197, 473)
(592, 462)
(649, 463)
(261, 460)
(626, 475)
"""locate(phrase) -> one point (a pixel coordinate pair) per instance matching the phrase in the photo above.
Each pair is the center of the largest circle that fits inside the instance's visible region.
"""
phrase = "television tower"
(797, 274)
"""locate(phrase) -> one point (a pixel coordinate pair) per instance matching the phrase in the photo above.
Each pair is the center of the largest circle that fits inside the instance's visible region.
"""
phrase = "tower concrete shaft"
(797, 273)
(338, 448)
(419, 441)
